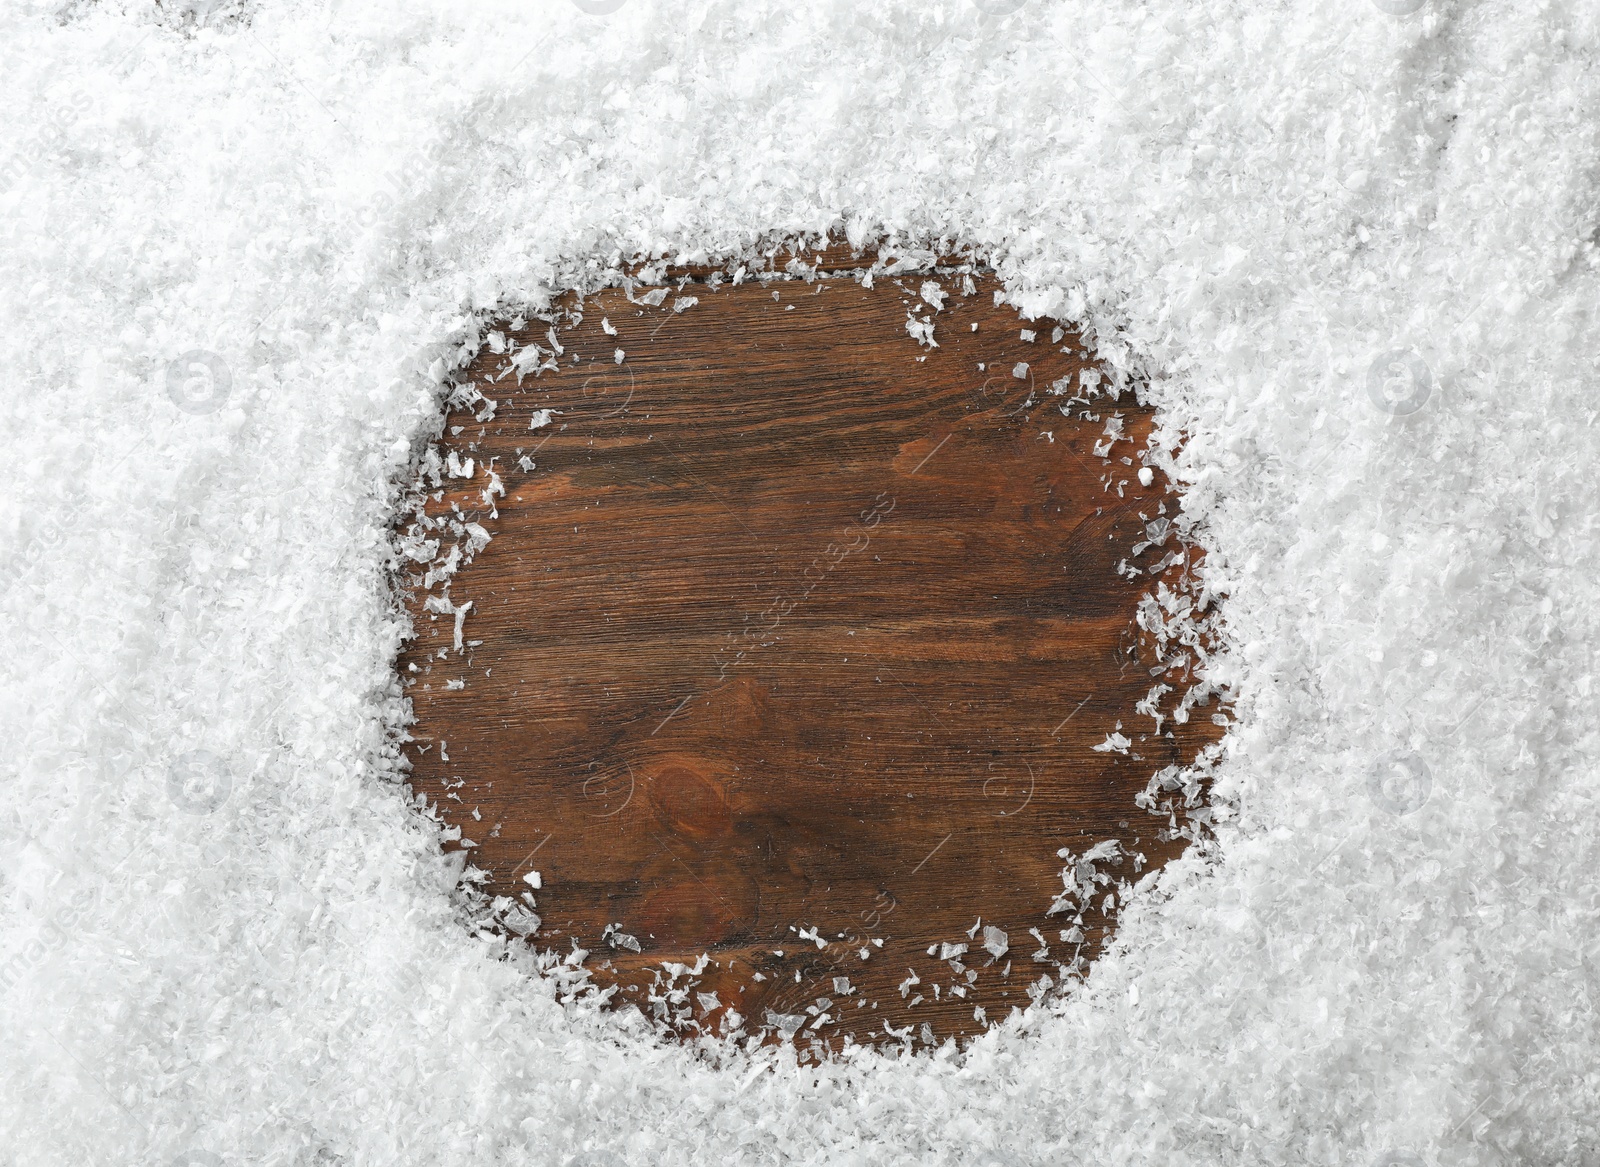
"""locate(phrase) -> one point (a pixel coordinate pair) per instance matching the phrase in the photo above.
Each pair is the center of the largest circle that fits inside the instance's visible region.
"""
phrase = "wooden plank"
(796, 623)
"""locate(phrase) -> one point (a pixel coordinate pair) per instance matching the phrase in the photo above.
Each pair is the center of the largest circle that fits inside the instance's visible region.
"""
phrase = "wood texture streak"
(796, 624)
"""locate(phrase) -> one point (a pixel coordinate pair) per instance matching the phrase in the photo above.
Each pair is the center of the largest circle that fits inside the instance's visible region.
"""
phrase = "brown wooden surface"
(796, 623)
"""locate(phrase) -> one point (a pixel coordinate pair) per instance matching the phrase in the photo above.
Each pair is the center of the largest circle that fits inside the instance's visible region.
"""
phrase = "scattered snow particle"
(1114, 743)
(995, 942)
(921, 331)
(520, 920)
(614, 936)
(787, 1024)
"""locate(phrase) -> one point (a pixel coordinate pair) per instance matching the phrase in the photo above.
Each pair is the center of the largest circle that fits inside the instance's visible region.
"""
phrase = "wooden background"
(796, 623)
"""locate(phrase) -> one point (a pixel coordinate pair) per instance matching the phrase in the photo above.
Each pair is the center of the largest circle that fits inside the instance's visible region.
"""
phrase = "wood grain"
(796, 624)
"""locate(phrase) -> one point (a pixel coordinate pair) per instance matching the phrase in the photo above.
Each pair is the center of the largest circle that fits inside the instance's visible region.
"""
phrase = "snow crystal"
(921, 330)
(1115, 743)
(995, 942)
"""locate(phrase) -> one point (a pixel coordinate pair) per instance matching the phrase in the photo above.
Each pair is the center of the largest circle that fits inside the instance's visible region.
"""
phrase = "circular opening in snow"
(779, 645)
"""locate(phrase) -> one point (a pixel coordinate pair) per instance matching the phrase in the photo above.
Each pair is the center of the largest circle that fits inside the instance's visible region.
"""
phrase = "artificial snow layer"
(1350, 253)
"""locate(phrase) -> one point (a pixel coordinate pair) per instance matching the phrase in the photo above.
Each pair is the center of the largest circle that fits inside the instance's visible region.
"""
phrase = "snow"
(1350, 254)
(996, 941)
